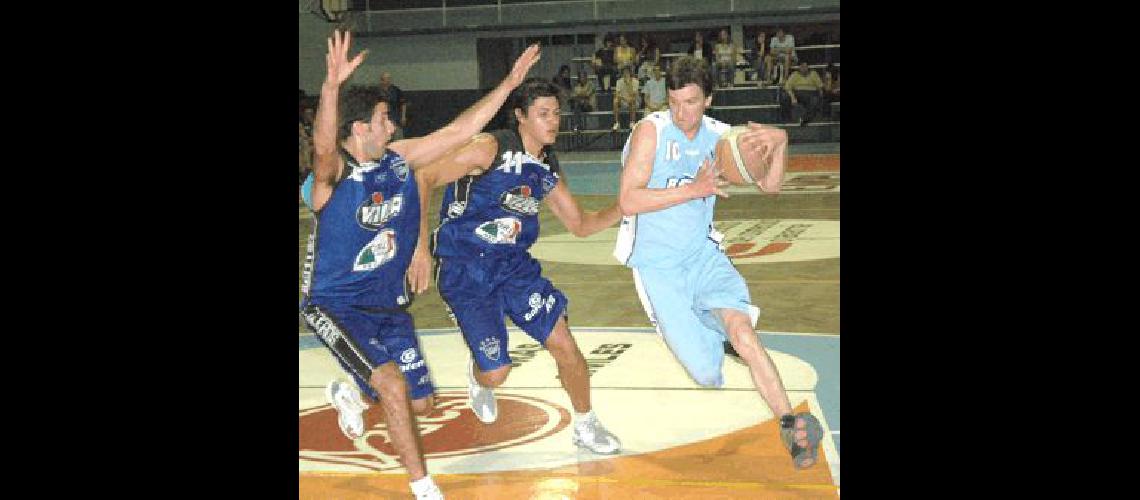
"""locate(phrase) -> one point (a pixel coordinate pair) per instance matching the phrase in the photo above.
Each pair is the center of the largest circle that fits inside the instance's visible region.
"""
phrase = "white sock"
(422, 485)
(582, 417)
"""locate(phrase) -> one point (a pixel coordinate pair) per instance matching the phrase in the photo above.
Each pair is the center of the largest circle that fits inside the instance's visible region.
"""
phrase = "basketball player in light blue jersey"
(689, 288)
(367, 204)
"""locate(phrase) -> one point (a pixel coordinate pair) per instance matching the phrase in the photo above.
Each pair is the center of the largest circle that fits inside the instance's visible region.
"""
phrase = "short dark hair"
(686, 70)
(357, 103)
(524, 95)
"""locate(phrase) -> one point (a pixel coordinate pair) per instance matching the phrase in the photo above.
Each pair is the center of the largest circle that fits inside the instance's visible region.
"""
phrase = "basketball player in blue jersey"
(488, 222)
(367, 207)
(689, 288)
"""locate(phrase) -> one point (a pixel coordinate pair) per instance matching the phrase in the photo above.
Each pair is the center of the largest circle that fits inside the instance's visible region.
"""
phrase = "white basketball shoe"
(482, 398)
(590, 434)
(349, 407)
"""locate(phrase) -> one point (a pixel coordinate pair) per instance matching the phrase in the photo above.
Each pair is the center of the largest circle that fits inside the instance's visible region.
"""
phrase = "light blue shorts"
(680, 301)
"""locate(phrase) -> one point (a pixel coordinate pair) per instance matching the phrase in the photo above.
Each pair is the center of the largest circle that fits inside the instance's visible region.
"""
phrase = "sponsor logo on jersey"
(491, 348)
(549, 182)
(519, 200)
(499, 231)
(400, 167)
(456, 208)
(377, 252)
(376, 211)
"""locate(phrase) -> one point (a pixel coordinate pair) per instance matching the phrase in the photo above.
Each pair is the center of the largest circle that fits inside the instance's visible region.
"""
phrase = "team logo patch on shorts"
(376, 211)
(490, 348)
(537, 304)
(456, 208)
(499, 231)
(408, 355)
(377, 252)
(519, 200)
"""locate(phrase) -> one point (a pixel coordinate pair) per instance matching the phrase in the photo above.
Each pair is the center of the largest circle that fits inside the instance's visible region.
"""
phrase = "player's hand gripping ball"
(738, 165)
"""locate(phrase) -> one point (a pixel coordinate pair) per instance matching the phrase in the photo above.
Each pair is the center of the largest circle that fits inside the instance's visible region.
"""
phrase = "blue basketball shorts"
(680, 301)
(482, 290)
(362, 339)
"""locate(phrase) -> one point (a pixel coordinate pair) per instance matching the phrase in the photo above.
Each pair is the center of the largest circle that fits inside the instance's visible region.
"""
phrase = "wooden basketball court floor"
(680, 440)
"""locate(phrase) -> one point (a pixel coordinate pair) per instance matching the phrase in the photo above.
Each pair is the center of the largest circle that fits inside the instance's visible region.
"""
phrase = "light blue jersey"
(665, 237)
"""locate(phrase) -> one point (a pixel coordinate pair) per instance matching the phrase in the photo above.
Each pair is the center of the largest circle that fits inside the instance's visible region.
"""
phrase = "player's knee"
(387, 380)
(423, 406)
(496, 377)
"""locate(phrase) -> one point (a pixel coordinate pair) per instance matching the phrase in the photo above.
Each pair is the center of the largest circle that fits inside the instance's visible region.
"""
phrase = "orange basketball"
(732, 162)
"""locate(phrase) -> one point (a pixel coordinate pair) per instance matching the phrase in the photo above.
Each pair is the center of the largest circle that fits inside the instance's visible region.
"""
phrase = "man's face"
(723, 35)
(541, 120)
(686, 105)
(379, 131)
(309, 115)
(779, 33)
(385, 80)
(622, 40)
(804, 69)
(656, 72)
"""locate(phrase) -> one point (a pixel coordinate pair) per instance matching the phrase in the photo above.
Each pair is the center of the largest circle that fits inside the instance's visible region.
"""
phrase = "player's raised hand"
(709, 181)
(339, 67)
(523, 64)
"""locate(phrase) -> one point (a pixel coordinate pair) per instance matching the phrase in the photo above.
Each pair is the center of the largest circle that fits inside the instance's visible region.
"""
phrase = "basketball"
(732, 161)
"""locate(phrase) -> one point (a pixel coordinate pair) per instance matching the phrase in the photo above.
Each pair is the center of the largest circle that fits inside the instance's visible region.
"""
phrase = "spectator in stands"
(784, 51)
(604, 65)
(804, 91)
(656, 98)
(624, 55)
(648, 56)
(699, 49)
(830, 87)
(397, 105)
(761, 58)
(726, 54)
(583, 100)
(562, 81)
(626, 95)
(304, 144)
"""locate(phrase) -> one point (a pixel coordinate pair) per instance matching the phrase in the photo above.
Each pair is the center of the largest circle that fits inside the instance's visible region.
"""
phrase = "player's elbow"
(626, 205)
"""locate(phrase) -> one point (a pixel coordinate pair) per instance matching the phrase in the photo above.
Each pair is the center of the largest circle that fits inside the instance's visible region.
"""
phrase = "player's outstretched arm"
(581, 223)
(634, 197)
(424, 150)
(326, 161)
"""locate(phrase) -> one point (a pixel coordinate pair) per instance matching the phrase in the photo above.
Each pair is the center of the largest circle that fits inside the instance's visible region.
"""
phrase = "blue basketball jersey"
(364, 236)
(496, 212)
(663, 237)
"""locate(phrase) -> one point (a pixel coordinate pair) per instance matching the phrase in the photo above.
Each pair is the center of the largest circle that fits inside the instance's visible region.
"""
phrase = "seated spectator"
(562, 81)
(583, 99)
(726, 54)
(305, 142)
(626, 95)
(784, 51)
(604, 65)
(624, 55)
(761, 58)
(699, 49)
(830, 87)
(648, 56)
(656, 98)
(804, 91)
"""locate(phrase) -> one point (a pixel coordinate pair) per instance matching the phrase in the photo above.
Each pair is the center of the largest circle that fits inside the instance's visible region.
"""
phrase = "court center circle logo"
(450, 430)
